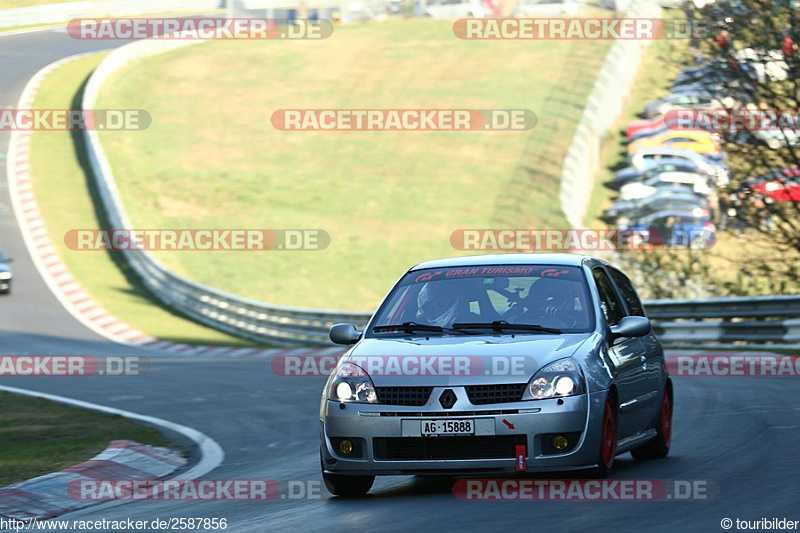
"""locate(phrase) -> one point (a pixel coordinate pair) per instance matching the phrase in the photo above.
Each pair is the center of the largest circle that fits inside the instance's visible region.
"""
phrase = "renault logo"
(448, 399)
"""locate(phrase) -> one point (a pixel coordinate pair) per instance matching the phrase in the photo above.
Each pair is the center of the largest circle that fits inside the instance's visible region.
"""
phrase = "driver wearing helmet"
(547, 302)
(438, 304)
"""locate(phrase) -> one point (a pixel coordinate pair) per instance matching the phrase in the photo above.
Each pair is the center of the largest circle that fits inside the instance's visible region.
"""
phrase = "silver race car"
(502, 363)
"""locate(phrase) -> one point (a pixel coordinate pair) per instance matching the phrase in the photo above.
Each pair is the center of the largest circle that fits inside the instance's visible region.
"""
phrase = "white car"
(637, 190)
(777, 138)
(769, 65)
(453, 9)
(646, 157)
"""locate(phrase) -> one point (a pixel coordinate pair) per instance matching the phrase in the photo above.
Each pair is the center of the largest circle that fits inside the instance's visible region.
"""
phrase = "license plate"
(434, 428)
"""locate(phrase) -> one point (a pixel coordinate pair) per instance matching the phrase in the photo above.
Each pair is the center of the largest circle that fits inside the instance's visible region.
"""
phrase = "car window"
(609, 303)
(551, 296)
(635, 307)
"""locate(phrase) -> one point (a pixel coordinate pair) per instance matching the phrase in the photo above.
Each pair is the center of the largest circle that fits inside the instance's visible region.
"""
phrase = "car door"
(624, 355)
(652, 351)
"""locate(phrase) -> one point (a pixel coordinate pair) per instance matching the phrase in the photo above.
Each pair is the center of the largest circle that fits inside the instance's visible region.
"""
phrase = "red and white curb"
(64, 286)
(47, 496)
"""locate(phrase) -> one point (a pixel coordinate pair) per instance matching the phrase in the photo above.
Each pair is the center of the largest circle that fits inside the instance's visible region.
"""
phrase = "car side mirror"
(344, 334)
(631, 326)
(8, 260)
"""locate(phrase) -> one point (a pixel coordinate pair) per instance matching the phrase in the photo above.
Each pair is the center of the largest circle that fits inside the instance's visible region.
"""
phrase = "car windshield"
(500, 297)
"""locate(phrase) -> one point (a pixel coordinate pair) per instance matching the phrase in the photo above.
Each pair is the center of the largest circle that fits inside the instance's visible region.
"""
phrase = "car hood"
(487, 358)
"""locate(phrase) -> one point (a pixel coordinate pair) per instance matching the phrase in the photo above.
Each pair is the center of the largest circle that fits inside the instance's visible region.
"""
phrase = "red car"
(782, 186)
(653, 125)
(638, 125)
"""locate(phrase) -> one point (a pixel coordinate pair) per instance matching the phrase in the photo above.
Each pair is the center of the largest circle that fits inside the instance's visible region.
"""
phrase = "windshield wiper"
(413, 327)
(502, 325)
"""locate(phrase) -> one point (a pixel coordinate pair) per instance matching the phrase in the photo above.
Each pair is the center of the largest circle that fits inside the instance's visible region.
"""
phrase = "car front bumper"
(388, 440)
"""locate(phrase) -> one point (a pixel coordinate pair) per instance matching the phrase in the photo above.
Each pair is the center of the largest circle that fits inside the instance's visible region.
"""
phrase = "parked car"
(679, 228)
(776, 138)
(545, 8)
(781, 186)
(705, 86)
(636, 126)
(696, 183)
(699, 142)
(691, 205)
(701, 100)
(769, 65)
(586, 348)
(631, 174)
(663, 198)
(446, 9)
(647, 157)
(6, 274)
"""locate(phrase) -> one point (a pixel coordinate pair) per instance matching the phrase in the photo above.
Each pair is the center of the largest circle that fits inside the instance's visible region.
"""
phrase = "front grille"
(446, 448)
(415, 396)
(439, 414)
(502, 393)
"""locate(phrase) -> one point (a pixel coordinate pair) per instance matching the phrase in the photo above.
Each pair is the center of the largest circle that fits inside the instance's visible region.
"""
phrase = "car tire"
(608, 439)
(346, 486)
(658, 447)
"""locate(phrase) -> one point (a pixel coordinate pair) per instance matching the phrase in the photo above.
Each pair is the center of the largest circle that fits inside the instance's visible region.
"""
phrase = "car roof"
(669, 213)
(507, 259)
(674, 161)
(677, 153)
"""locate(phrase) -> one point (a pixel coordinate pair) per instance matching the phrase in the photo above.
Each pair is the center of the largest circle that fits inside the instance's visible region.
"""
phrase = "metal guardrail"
(763, 319)
(64, 12)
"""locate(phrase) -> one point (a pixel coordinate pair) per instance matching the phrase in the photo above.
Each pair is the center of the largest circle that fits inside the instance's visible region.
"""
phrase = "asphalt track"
(741, 434)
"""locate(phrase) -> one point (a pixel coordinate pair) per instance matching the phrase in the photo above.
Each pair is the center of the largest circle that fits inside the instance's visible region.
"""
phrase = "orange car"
(699, 142)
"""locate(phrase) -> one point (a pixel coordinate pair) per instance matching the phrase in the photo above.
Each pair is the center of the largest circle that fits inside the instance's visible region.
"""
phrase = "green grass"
(211, 158)
(39, 436)
(67, 198)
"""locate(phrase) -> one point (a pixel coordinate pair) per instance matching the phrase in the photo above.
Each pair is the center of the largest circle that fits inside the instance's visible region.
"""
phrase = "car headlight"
(5, 275)
(556, 380)
(352, 384)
